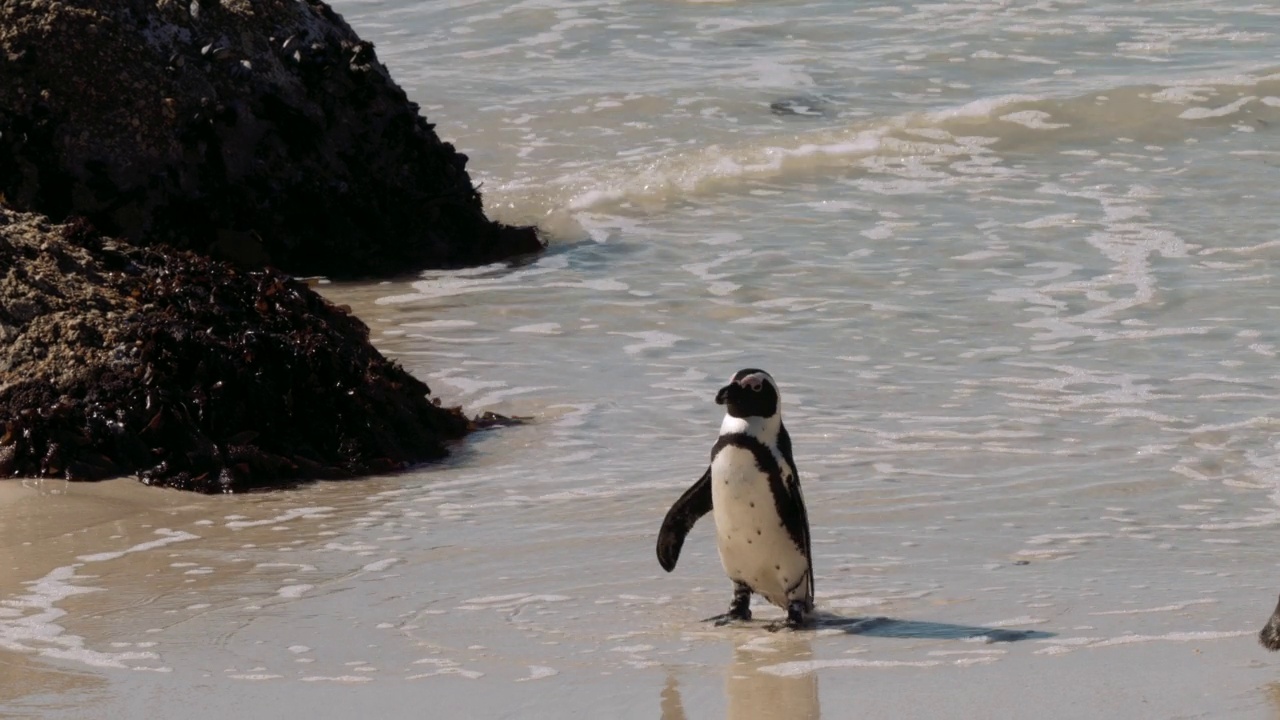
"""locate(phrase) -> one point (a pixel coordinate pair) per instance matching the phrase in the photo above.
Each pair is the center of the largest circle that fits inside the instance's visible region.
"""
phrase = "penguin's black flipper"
(693, 504)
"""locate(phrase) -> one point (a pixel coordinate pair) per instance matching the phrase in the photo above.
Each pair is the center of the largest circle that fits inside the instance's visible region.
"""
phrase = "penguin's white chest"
(755, 547)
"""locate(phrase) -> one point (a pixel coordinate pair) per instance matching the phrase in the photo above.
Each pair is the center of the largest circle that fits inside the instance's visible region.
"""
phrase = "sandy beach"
(395, 597)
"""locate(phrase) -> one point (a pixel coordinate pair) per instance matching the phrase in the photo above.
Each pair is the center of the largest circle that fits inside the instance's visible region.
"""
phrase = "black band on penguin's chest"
(766, 461)
(788, 505)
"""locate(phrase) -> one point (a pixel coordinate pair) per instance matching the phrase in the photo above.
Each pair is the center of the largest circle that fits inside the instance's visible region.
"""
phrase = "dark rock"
(488, 420)
(1269, 636)
(263, 132)
(801, 106)
(191, 372)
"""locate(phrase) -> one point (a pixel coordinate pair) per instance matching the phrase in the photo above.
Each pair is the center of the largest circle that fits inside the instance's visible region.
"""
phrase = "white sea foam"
(30, 621)
(337, 678)
(286, 516)
(167, 537)
(798, 668)
(1034, 119)
(650, 340)
(1228, 109)
(706, 169)
(1163, 608)
(1061, 645)
(550, 328)
(380, 565)
(291, 592)
(538, 672)
(300, 567)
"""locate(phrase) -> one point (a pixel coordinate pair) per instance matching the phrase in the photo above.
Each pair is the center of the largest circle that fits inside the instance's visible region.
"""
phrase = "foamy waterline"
(28, 622)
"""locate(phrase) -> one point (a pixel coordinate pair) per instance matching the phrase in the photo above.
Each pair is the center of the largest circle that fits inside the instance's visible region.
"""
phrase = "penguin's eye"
(755, 385)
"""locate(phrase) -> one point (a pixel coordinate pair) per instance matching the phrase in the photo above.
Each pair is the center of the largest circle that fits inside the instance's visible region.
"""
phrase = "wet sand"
(296, 604)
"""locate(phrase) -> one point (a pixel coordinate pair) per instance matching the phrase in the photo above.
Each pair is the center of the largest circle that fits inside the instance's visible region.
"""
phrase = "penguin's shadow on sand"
(888, 627)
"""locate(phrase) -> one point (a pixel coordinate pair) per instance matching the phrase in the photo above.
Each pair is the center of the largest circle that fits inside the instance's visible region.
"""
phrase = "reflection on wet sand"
(774, 676)
(753, 695)
(671, 703)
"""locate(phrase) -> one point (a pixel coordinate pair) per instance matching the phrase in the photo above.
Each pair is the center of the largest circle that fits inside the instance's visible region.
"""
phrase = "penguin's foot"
(797, 617)
(726, 618)
(797, 613)
(739, 608)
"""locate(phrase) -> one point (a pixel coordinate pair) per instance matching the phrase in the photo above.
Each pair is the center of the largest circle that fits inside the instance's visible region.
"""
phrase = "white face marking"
(763, 429)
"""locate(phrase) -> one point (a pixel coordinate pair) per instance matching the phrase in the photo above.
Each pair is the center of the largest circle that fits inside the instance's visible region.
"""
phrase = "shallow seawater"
(1013, 265)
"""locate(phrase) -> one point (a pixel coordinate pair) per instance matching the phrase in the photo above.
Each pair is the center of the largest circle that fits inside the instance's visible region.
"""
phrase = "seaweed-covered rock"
(193, 373)
(262, 131)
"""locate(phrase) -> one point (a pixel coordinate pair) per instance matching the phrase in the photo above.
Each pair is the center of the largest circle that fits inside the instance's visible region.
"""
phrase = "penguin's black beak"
(722, 397)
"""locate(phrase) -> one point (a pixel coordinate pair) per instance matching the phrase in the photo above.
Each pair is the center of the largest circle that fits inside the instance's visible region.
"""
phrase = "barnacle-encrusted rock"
(191, 372)
(263, 131)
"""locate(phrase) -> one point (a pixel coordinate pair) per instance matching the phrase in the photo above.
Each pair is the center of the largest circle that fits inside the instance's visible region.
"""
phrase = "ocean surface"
(1013, 264)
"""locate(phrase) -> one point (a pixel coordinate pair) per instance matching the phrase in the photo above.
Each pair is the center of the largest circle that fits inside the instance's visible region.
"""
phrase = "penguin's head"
(751, 393)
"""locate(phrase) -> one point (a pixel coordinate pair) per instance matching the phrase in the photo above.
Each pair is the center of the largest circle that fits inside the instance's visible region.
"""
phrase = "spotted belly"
(754, 545)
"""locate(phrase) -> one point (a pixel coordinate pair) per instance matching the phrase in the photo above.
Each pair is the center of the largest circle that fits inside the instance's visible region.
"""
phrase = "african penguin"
(752, 489)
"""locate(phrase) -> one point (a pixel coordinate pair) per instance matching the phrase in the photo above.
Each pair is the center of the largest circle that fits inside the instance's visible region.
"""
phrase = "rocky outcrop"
(191, 372)
(1269, 636)
(263, 131)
